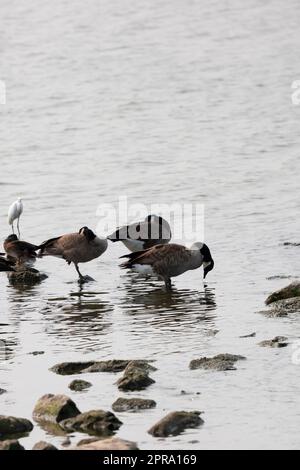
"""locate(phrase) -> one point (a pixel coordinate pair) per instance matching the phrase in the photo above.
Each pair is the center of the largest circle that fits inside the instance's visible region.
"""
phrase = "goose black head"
(12, 238)
(89, 234)
(208, 262)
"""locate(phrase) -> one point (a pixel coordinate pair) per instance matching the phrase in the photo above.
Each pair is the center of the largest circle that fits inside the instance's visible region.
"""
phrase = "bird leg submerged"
(82, 279)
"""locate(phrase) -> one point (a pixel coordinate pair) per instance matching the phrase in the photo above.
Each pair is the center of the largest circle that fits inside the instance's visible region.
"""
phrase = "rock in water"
(42, 445)
(277, 342)
(79, 385)
(54, 409)
(11, 445)
(28, 277)
(283, 308)
(136, 376)
(97, 422)
(132, 404)
(2, 390)
(221, 362)
(292, 290)
(10, 425)
(175, 423)
(112, 443)
(70, 368)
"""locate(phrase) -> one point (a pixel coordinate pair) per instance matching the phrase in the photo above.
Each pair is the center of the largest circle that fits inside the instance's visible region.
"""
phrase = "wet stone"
(221, 362)
(132, 404)
(42, 445)
(11, 445)
(97, 422)
(79, 385)
(292, 290)
(10, 425)
(113, 443)
(28, 277)
(277, 342)
(175, 423)
(71, 368)
(2, 390)
(283, 308)
(54, 409)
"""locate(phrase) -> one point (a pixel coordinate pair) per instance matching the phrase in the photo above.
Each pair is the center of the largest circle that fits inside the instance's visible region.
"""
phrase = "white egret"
(14, 213)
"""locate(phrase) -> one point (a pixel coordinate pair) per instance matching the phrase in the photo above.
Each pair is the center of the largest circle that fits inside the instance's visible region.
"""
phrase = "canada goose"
(6, 265)
(167, 261)
(75, 248)
(21, 252)
(139, 236)
(14, 213)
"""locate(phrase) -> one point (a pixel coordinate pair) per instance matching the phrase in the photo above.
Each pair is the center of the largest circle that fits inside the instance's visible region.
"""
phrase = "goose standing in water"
(154, 230)
(14, 213)
(75, 248)
(167, 261)
(23, 253)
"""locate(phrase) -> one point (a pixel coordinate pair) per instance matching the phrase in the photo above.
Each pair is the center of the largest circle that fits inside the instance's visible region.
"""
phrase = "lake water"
(162, 101)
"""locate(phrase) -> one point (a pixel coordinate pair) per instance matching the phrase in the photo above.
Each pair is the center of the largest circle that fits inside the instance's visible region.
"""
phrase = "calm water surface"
(163, 101)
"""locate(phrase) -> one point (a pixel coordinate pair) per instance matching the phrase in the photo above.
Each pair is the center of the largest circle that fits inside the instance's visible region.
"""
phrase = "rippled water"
(161, 101)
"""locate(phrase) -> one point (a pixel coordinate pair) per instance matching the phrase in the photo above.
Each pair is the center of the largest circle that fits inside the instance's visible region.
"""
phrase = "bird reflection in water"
(151, 303)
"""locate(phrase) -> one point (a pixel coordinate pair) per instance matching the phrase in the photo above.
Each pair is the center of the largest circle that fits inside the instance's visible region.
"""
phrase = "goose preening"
(75, 248)
(167, 261)
(23, 253)
(6, 265)
(154, 230)
(14, 213)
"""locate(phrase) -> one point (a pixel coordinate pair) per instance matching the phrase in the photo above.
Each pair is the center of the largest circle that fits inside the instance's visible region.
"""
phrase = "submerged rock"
(54, 409)
(27, 277)
(221, 362)
(292, 290)
(96, 422)
(251, 335)
(283, 308)
(10, 425)
(2, 390)
(113, 443)
(79, 385)
(277, 342)
(71, 368)
(175, 423)
(11, 445)
(42, 445)
(136, 376)
(132, 404)
(136, 379)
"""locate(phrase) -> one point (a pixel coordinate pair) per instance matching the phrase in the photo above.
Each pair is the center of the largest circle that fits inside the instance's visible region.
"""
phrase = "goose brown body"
(19, 250)
(167, 261)
(76, 248)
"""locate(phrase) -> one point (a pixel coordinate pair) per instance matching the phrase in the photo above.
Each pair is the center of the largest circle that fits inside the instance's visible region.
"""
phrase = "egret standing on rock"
(14, 213)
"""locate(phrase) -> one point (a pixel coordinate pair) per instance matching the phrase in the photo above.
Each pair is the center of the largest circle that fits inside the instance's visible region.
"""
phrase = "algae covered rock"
(54, 409)
(10, 425)
(79, 385)
(42, 445)
(175, 423)
(71, 368)
(97, 422)
(113, 443)
(283, 308)
(28, 277)
(292, 290)
(277, 342)
(11, 445)
(132, 404)
(221, 362)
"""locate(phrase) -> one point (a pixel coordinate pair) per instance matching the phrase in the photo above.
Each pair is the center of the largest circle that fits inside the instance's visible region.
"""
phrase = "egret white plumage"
(14, 213)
